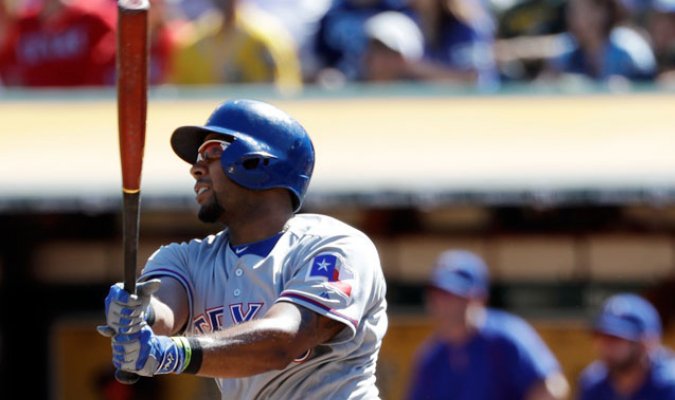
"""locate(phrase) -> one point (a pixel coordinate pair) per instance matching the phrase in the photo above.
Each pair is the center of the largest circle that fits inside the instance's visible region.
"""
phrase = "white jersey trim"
(297, 297)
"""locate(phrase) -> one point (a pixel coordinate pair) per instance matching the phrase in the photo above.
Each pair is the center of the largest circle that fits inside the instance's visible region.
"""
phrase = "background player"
(477, 353)
(632, 363)
(276, 305)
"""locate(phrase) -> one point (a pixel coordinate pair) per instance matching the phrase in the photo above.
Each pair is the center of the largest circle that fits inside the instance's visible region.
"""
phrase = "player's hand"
(147, 354)
(124, 312)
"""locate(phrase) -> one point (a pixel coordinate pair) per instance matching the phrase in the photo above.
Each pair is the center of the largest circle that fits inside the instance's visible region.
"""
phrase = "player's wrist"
(171, 356)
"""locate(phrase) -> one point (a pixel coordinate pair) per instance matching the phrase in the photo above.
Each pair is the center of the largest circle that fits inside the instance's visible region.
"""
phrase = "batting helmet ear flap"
(253, 161)
(249, 169)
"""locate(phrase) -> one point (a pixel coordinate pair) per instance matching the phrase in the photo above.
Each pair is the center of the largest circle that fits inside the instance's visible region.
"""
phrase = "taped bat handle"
(130, 226)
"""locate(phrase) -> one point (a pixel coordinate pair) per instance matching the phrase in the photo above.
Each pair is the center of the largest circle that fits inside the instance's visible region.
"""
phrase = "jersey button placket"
(238, 273)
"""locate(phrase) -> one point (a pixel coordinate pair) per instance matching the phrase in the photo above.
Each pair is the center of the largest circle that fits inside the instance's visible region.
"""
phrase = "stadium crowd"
(291, 43)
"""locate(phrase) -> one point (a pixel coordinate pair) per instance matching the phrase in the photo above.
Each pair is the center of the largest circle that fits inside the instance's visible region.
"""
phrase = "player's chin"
(210, 212)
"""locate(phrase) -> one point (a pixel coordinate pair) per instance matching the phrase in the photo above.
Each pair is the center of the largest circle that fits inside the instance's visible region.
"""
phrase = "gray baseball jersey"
(319, 263)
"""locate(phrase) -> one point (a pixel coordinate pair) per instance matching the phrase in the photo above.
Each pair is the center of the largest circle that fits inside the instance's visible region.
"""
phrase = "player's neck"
(259, 217)
(628, 381)
(459, 333)
(257, 228)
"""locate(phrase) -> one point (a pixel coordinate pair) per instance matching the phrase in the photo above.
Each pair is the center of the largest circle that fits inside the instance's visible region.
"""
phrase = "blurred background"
(537, 133)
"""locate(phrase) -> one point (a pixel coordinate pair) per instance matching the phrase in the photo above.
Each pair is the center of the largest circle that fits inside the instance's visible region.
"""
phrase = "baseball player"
(277, 305)
(632, 364)
(479, 353)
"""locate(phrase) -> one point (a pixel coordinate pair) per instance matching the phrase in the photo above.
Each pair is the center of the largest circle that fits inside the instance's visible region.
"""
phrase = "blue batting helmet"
(628, 316)
(268, 148)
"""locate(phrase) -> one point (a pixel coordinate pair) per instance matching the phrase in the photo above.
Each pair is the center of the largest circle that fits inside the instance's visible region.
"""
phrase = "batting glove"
(126, 313)
(147, 354)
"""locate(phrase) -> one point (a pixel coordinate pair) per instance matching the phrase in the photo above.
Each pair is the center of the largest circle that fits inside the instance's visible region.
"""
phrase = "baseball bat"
(132, 100)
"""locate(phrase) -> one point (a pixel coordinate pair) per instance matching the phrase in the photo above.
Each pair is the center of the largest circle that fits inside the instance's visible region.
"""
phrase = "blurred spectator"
(61, 43)
(598, 47)
(459, 37)
(6, 24)
(301, 18)
(193, 9)
(527, 58)
(637, 11)
(479, 353)
(520, 24)
(532, 18)
(394, 42)
(236, 43)
(165, 20)
(341, 40)
(661, 27)
(632, 364)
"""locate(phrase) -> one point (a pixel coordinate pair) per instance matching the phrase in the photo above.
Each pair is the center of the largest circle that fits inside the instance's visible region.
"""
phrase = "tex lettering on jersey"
(330, 268)
(212, 319)
(240, 315)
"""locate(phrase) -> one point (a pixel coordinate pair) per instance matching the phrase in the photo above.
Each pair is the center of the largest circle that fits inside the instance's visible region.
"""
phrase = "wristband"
(194, 360)
(183, 355)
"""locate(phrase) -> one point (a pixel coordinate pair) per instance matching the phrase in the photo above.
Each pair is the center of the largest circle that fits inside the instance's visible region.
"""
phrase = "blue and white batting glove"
(124, 312)
(147, 354)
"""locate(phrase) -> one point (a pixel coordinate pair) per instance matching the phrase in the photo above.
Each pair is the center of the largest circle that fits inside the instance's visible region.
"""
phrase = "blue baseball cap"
(461, 273)
(629, 317)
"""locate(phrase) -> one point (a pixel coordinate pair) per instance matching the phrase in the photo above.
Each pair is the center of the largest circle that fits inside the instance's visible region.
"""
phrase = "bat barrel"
(132, 88)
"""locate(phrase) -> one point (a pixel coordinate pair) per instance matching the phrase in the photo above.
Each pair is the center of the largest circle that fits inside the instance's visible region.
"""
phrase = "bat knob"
(127, 378)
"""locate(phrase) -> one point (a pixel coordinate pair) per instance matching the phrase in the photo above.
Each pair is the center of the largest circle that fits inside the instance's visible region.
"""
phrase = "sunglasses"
(211, 150)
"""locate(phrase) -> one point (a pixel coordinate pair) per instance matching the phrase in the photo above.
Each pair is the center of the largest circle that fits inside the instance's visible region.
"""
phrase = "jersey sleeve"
(172, 261)
(339, 280)
(591, 381)
(530, 358)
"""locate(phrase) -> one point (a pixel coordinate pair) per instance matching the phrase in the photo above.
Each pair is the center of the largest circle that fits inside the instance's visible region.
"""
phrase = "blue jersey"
(501, 362)
(341, 39)
(594, 382)
(467, 47)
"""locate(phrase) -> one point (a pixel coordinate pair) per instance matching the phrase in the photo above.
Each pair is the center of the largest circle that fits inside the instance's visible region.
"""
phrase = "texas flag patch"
(329, 268)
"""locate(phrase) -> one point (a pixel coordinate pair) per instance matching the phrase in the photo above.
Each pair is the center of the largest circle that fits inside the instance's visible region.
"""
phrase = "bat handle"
(132, 203)
(130, 226)
(127, 378)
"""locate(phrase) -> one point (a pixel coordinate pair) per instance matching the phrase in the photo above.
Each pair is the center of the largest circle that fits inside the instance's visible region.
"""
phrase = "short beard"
(633, 360)
(210, 212)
